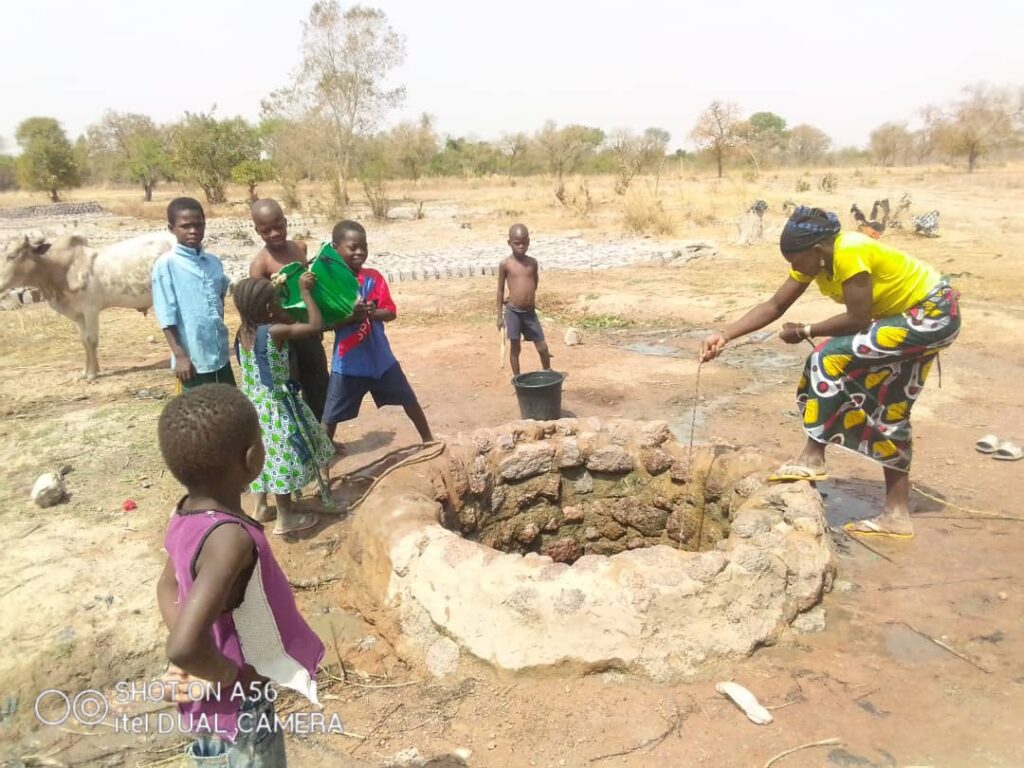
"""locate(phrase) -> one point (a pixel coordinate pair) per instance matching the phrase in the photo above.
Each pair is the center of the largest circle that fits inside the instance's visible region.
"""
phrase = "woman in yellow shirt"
(859, 385)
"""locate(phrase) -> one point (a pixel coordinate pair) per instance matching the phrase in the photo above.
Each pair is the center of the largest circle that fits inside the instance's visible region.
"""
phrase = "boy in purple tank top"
(229, 609)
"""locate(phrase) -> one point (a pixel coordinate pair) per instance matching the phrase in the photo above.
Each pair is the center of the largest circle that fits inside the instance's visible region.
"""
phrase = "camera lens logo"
(54, 707)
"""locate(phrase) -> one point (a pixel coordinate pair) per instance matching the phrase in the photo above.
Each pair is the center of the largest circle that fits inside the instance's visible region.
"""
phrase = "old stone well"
(586, 545)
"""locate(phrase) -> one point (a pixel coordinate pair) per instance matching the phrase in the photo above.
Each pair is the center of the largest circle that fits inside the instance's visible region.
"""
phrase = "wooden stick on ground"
(673, 725)
(944, 646)
(315, 583)
(823, 743)
(892, 587)
(853, 537)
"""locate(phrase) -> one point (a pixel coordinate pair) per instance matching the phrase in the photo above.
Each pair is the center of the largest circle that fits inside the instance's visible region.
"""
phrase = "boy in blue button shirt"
(363, 361)
(189, 286)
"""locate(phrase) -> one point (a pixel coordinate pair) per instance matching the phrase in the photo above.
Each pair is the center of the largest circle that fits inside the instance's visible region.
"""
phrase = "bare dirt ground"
(77, 583)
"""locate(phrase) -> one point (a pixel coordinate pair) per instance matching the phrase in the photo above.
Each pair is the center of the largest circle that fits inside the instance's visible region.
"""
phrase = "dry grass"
(642, 214)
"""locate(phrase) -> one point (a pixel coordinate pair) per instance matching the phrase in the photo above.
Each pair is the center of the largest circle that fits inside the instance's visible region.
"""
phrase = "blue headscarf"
(806, 228)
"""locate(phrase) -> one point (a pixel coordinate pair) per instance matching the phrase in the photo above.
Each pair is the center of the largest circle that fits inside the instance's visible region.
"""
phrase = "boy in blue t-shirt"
(363, 361)
(189, 286)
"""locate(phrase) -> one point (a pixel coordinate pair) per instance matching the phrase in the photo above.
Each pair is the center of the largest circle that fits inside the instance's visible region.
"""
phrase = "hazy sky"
(483, 68)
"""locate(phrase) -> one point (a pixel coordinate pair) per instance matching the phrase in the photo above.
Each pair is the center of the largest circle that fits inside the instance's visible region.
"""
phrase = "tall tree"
(808, 144)
(765, 137)
(47, 161)
(251, 173)
(513, 147)
(980, 123)
(638, 154)
(415, 145)
(347, 58)
(716, 130)
(206, 150)
(136, 148)
(297, 142)
(8, 173)
(889, 142)
(565, 147)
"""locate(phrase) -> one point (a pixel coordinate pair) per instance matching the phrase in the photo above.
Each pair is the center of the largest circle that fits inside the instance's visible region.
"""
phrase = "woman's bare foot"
(895, 521)
(812, 456)
(893, 526)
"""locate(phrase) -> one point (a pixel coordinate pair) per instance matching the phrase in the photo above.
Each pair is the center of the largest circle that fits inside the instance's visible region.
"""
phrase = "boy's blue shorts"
(345, 393)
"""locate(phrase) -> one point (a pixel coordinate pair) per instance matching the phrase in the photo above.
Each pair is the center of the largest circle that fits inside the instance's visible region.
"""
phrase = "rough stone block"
(563, 550)
(654, 434)
(569, 455)
(528, 460)
(656, 460)
(611, 459)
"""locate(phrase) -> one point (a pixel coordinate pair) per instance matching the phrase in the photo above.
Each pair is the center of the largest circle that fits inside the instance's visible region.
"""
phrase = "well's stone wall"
(587, 545)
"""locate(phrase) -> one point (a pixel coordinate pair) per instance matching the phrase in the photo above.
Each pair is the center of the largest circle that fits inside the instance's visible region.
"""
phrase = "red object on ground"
(129, 505)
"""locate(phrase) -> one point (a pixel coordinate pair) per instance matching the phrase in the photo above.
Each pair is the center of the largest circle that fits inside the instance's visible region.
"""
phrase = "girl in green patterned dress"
(296, 445)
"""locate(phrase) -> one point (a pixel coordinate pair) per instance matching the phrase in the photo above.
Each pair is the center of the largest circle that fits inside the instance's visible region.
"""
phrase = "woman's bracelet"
(807, 332)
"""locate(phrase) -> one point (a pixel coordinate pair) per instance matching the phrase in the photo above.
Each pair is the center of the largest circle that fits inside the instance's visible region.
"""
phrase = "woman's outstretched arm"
(763, 314)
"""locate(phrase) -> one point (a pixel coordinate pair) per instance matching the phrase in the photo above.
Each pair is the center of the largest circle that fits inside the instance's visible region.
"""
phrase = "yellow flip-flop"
(874, 529)
(792, 473)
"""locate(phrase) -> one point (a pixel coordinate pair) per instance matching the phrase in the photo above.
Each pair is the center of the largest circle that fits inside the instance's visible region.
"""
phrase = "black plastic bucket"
(539, 394)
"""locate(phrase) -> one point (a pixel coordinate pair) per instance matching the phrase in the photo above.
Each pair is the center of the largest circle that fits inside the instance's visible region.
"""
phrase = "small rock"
(573, 514)
(570, 455)
(654, 434)
(841, 585)
(810, 621)
(48, 490)
(366, 643)
(591, 533)
(656, 461)
(151, 339)
(585, 483)
(492, 745)
(1003, 596)
(572, 338)
(562, 550)
(611, 458)
(528, 533)
(506, 442)
(611, 530)
(442, 657)
(407, 758)
(527, 461)
(479, 476)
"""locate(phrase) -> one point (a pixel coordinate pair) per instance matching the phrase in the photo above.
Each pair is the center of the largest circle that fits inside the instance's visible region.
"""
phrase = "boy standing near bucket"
(363, 361)
(518, 313)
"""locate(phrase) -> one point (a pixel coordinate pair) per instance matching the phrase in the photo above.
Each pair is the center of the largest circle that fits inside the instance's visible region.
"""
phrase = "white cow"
(80, 282)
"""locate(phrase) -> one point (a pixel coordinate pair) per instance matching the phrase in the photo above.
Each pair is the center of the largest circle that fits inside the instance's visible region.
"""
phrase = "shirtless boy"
(308, 354)
(518, 313)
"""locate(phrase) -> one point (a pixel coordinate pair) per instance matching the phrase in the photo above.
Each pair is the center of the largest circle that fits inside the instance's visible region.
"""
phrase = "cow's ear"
(39, 247)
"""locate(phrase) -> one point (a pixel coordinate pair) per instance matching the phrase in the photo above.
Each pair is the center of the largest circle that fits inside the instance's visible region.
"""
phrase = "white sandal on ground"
(1008, 452)
(987, 444)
